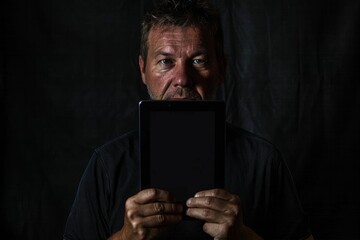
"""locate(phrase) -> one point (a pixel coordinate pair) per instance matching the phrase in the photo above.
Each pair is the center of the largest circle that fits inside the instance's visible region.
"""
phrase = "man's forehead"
(174, 31)
(174, 34)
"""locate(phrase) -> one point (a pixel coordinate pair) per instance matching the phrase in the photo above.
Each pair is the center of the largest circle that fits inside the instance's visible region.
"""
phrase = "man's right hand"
(148, 214)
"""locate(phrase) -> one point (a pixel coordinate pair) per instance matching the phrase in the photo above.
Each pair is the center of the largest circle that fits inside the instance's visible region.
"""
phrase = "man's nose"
(183, 76)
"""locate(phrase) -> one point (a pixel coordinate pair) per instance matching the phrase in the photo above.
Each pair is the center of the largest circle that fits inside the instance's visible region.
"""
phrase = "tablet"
(182, 146)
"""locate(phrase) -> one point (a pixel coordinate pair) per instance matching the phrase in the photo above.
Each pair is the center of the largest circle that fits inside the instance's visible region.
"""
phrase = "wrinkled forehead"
(170, 27)
(168, 34)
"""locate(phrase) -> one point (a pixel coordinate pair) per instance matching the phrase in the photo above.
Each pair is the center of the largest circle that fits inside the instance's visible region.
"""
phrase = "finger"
(160, 208)
(214, 203)
(152, 195)
(205, 214)
(160, 220)
(219, 193)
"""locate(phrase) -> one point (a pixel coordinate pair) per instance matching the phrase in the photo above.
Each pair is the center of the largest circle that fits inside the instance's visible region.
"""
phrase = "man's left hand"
(221, 212)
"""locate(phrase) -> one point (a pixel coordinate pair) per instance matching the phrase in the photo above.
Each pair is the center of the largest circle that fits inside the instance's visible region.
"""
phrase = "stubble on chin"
(181, 93)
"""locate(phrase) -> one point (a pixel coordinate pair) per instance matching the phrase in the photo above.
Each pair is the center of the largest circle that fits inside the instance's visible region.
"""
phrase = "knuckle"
(128, 203)
(209, 201)
(152, 192)
(131, 214)
(233, 212)
(159, 207)
(161, 218)
(217, 191)
(206, 213)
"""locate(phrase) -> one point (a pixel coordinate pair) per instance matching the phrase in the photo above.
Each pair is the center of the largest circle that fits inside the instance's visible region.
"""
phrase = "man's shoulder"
(124, 141)
(235, 133)
(120, 149)
(240, 142)
(116, 153)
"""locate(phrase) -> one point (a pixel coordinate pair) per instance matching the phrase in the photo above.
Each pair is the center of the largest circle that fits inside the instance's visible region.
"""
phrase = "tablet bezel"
(146, 107)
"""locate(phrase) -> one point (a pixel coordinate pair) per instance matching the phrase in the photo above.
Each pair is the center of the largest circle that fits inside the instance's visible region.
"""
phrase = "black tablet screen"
(182, 153)
(182, 146)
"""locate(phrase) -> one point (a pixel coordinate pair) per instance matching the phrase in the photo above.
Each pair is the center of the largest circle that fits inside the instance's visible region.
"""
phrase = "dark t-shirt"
(254, 170)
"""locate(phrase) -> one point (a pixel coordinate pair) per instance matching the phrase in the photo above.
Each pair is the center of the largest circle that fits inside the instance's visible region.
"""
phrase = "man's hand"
(222, 213)
(147, 214)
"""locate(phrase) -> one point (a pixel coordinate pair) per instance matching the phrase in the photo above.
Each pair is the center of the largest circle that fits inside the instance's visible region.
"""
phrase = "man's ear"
(142, 69)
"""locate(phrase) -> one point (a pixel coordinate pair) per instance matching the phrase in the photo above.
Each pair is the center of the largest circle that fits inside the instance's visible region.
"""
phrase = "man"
(182, 58)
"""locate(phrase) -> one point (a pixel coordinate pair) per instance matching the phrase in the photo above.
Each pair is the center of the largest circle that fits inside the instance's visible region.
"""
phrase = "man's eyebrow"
(200, 52)
(163, 53)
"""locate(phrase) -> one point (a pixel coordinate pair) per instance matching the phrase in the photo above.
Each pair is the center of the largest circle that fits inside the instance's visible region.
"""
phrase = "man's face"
(181, 64)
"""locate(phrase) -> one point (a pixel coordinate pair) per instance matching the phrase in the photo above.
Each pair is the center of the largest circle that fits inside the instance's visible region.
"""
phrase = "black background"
(70, 82)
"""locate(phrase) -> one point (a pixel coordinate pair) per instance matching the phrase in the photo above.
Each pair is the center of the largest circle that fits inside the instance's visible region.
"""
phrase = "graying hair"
(183, 13)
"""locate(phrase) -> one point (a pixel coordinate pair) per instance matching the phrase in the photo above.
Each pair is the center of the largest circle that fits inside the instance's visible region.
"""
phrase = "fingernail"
(187, 211)
(188, 202)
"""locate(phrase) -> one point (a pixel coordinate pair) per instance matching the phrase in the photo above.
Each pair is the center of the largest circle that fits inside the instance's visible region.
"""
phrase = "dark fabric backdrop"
(70, 82)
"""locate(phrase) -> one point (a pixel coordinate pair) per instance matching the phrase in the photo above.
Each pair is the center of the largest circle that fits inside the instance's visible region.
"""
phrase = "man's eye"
(199, 62)
(165, 61)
